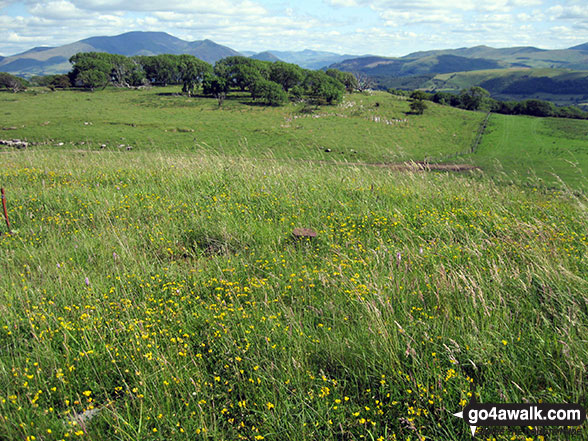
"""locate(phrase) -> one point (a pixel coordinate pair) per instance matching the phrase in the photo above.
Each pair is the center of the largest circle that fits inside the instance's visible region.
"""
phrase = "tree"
(126, 72)
(162, 69)
(192, 70)
(572, 112)
(296, 93)
(419, 95)
(443, 98)
(239, 71)
(346, 78)
(120, 69)
(93, 79)
(59, 82)
(91, 69)
(246, 75)
(215, 86)
(538, 108)
(363, 81)
(418, 107)
(269, 92)
(12, 82)
(473, 98)
(323, 88)
(286, 74)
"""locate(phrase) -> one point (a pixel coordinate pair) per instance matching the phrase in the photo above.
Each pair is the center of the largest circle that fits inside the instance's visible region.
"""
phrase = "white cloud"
(394, 18)
(532, 17)
(58, 10)
(13, 37)
(574, 13)
(387, 27)
(412, 5)
(224, 7)
(525, 3)
(344, 3)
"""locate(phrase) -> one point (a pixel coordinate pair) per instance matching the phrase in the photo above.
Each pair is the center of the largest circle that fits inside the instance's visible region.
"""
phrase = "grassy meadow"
(372, 128)
(160, 291)
(546, 151)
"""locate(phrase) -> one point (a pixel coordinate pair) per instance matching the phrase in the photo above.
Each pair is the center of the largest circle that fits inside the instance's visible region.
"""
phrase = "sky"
(356, 27)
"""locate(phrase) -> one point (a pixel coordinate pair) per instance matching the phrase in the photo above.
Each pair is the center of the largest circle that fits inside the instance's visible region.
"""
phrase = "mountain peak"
(580, 47)
(265, 56)
(43, 61)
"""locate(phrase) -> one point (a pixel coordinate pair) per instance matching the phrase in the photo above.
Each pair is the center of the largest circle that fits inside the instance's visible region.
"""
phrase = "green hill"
(508, 73)
(364, 129)
(551, 151)
(561, 86)
(367, 128)
(382, 68)
(464, 59)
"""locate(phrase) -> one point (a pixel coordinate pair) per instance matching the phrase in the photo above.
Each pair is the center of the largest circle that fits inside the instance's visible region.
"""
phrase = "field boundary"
(480, 133)
(475, 143)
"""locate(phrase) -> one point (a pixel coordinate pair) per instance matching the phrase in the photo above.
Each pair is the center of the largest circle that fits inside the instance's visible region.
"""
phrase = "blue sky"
(380, 27)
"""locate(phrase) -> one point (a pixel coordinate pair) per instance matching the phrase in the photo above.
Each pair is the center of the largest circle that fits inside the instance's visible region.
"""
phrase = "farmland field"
(161, 292)
(160, 118)
(550, 151)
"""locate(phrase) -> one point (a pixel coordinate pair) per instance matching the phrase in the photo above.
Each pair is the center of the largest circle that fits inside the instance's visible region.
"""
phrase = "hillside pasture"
(364, 128)
(541, 151)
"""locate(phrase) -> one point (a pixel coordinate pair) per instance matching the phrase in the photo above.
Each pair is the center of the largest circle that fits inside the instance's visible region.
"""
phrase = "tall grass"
(167, 292)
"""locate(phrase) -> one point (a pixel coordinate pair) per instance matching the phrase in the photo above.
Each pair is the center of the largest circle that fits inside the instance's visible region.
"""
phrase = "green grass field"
(547, 151)
(161, 119)
(161, 291)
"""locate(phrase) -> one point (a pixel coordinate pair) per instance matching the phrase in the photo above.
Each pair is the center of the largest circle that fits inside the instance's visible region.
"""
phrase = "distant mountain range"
(48, 60)
(310, 59)
(52, 60)
(467, 59)
(307, 58)
(514, 73)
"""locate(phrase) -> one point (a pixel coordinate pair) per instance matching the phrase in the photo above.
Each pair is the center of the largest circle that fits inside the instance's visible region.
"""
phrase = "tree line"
(271, 83)
(477, 98)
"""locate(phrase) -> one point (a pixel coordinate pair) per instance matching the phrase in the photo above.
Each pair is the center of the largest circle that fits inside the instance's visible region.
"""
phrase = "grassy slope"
(159, 119)
(165, 121)
(456, 81)
(547, 149)
(463, 80)
(165, 290)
